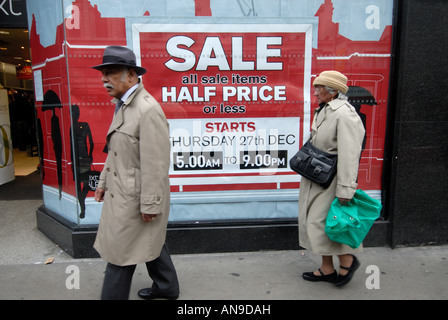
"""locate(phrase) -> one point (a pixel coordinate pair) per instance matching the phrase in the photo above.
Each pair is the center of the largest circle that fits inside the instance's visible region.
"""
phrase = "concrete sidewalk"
(404, 273)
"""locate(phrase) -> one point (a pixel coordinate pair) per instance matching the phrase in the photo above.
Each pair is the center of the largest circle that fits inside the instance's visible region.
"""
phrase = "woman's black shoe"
(341, 280)
(310, 276)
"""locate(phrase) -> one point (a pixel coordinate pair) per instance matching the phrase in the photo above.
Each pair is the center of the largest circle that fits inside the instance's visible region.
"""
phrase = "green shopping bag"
(350, 224)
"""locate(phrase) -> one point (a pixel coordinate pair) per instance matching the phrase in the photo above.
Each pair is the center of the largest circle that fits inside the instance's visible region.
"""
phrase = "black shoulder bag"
(314, 164)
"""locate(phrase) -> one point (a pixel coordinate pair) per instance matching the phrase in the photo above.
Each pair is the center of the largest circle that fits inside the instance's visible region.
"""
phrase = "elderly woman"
(336, 128)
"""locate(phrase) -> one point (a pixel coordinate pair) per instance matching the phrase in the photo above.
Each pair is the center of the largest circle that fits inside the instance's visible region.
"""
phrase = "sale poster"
(234, 80)
(235, 96)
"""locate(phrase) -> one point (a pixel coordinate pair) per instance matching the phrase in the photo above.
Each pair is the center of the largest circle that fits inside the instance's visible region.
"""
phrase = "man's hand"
(99, 194)
(148, 217)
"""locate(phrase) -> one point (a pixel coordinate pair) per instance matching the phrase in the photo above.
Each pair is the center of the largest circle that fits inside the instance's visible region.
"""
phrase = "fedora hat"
(121, 56)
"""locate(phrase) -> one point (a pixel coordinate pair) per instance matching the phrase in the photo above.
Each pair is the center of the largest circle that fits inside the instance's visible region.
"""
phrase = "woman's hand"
(344, 201)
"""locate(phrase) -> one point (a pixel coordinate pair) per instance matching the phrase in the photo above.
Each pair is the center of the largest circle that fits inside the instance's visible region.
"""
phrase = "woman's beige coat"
(136, 181)
(337, 128)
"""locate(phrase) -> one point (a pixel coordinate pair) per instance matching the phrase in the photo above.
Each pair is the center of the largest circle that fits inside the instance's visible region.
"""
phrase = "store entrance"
(16, 78)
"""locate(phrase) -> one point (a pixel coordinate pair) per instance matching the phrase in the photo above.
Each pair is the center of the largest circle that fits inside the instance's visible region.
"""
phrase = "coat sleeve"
(154, 160)
(350, 134)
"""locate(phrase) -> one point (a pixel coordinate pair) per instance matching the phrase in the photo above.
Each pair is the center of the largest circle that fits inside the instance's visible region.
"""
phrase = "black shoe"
(148, 294)
(310, 276)
(342, 280)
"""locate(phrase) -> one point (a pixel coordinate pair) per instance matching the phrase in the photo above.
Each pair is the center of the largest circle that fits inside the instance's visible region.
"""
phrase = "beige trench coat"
(136, 181)
(337, 128)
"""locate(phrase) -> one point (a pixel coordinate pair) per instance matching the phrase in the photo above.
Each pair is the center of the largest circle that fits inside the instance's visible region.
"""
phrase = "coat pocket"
(133, 183)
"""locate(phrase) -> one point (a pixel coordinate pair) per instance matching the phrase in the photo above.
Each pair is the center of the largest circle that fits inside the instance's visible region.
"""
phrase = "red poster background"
(154, 56)
(66, 70)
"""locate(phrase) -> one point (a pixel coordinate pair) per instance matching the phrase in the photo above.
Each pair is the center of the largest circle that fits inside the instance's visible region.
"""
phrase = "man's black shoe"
(148, 294)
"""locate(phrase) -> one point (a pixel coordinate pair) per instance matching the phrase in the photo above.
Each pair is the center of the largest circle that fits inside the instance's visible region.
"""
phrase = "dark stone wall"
(416, 164)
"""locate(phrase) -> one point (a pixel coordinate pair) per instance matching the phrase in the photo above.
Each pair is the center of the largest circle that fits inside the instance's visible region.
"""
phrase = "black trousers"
(117, 279)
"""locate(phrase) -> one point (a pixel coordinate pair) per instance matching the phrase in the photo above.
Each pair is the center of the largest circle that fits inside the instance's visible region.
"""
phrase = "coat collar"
(131, 96)
(336, 104)
(321, 113)
(118, 119)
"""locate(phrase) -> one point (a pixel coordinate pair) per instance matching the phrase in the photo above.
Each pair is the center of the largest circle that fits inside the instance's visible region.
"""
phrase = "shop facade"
(235, 82)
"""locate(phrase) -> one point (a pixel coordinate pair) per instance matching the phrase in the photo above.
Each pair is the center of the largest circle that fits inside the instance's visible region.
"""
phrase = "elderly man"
(134, 184)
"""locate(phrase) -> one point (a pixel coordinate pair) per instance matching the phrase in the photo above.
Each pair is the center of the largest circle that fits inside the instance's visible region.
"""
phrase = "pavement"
(385, 274)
